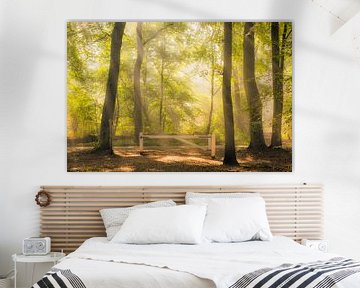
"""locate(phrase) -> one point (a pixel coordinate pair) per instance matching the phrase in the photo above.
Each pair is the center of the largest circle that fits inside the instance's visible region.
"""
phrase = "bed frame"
(73, 215)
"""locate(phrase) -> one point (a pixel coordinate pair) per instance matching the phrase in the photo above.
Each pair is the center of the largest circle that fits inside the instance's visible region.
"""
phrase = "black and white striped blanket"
(57, 278)
(320, 274)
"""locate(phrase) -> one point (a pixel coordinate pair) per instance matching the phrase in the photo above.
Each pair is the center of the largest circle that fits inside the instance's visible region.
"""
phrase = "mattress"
(99, 263)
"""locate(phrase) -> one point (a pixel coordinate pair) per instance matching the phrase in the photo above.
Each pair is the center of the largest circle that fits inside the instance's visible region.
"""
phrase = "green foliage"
(263, 59)
(287, 113)
(189, 55)
(82, 112)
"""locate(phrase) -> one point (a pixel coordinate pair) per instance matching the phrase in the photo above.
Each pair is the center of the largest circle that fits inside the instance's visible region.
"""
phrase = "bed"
(99, 263)
(294, 211)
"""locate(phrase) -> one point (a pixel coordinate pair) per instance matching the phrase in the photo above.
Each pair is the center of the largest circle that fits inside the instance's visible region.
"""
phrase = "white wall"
(33, 108)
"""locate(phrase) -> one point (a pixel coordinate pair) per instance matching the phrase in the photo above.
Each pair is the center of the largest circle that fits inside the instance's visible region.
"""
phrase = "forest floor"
(179, 159)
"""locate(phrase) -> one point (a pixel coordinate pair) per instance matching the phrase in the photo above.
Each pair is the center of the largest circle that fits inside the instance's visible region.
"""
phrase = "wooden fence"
(184, 139)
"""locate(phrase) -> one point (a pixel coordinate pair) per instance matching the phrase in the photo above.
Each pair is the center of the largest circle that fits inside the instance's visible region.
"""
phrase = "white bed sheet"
(100, 263)
(110, 274)
(101, 274)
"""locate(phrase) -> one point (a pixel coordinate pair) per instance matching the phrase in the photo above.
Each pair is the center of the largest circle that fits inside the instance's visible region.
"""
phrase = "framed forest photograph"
(179, 96)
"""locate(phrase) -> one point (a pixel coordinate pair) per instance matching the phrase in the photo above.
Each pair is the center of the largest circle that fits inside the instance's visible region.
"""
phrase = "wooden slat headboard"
(73, 215)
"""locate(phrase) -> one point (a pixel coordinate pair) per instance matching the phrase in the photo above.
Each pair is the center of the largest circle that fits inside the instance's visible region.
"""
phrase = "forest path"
(177, 159)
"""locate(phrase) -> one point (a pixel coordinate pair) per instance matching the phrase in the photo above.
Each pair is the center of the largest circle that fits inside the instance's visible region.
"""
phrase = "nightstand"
(320, 245)
(52, 257)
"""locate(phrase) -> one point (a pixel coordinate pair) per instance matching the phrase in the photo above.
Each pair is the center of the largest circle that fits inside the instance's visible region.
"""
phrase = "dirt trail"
(176, 160)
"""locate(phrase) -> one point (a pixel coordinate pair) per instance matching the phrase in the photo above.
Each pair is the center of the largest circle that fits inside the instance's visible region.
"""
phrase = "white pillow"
(236, 220)
(113, 218)
(204, 198)
(180, 224)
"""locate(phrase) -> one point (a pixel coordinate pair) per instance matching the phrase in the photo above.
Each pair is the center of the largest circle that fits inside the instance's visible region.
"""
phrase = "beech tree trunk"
(257, 141)
(145, 92)
(230, 153)
(278, 81)
(212, 92)
(116, 115)
(107, 119)
(138, 105)
(162, 96)
(237, 102)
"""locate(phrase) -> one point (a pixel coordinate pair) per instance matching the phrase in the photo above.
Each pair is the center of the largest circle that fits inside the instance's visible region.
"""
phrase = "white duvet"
(100, 263)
